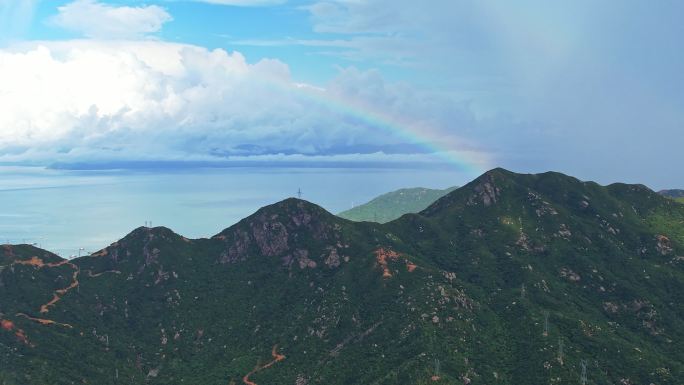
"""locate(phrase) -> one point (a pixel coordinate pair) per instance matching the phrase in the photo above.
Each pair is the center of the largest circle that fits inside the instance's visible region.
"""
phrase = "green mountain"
(392, 205)
(511, 279)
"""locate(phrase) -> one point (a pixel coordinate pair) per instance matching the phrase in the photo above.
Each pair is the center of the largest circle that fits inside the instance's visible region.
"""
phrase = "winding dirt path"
(43, 321)
(56, 296)
(59, 293)
(276, 358)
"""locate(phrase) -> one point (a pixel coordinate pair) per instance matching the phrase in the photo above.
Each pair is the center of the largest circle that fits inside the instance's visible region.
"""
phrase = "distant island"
(392, 205)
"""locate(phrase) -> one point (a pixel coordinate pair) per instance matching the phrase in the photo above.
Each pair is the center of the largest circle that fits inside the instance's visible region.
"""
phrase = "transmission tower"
(560, 350)
(583, 378)
(299, 193)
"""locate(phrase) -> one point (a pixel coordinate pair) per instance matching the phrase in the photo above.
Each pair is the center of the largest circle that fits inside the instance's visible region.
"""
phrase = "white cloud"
(91, 100)
(94, 19)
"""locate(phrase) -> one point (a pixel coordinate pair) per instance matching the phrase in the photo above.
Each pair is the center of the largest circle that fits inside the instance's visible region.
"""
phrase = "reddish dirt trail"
(43, 321)
(276, 358)
(58, 294)
(37, 262)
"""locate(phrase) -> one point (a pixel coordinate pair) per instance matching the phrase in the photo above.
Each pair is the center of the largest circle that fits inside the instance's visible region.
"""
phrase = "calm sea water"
(64, 211)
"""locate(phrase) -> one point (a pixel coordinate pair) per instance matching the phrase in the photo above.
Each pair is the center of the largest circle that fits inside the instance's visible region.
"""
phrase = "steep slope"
(482, 287)
(392, 205)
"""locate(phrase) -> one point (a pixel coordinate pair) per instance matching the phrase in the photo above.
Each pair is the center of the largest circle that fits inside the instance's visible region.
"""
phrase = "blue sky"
(593, 89)
(276, 29)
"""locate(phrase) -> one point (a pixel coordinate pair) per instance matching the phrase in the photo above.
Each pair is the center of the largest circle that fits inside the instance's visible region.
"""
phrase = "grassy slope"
(392, 205)
(206, 311)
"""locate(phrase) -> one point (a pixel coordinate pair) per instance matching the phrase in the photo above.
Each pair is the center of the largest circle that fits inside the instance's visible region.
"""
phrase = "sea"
(76, 212)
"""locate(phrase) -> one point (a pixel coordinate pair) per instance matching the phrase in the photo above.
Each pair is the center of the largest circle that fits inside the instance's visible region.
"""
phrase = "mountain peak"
(277, 230)
(487, 190)
(498, 171)
(140, 248)
(145, 231)
(12, 253)
(298, 212)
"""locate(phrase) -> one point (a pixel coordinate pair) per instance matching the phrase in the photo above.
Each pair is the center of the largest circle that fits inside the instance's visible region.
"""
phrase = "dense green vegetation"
(392, 205)
(482, 287)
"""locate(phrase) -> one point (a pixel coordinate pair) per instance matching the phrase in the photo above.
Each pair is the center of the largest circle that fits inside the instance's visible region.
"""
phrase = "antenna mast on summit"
(299, 193)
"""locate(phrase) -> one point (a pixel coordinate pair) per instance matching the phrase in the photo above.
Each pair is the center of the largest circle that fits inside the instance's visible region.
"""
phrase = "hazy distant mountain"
(392, 205)
(512, 279)
(673, 193)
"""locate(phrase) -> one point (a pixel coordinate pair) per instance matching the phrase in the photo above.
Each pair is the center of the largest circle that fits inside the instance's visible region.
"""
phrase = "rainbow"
(449, 149)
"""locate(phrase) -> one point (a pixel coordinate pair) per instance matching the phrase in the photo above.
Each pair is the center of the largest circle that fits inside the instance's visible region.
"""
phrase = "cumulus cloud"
(99, 20)
(93, 100)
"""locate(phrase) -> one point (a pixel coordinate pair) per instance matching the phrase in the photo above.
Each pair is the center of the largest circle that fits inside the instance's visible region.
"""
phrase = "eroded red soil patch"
(9, 326)
(383, 256)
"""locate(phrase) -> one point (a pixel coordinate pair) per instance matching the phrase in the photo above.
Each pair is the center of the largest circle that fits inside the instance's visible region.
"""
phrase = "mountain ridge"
(479, 288)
